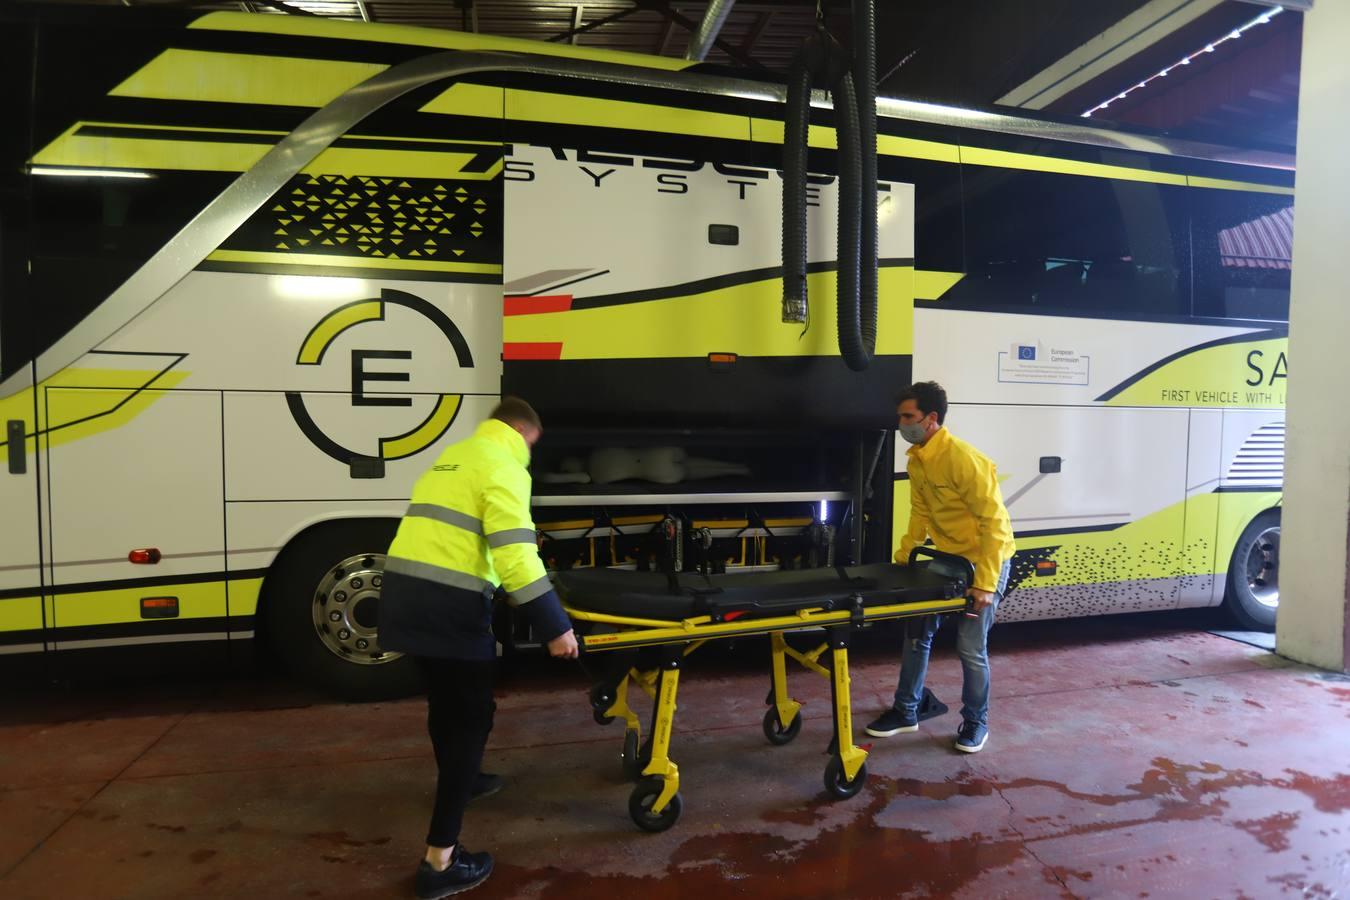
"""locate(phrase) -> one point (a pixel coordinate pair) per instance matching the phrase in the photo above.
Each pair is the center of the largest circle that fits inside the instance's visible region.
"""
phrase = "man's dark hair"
(929, 397)
(515, 411)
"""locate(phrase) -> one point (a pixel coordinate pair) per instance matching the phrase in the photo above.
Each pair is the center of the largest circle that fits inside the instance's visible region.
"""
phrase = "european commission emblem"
(1026, 352)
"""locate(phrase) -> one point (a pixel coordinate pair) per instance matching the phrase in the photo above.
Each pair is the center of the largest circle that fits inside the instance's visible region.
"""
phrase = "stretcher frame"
(655, 803)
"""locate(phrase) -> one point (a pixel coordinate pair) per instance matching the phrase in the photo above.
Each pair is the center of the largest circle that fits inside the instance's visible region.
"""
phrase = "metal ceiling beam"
(713, 19)
(468, 15)
(279, 6)
(666, 31)
(1129, 37)
(757, 31)
(576, 29)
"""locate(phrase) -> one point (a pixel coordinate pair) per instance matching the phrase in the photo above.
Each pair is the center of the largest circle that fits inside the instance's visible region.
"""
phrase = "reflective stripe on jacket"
(468, 527)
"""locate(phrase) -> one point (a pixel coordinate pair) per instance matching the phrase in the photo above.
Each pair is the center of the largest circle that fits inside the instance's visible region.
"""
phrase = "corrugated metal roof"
(962, 52)
(763, 32)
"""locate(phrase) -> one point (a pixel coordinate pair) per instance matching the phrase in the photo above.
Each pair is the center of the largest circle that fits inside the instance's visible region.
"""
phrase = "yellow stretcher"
(675, 614)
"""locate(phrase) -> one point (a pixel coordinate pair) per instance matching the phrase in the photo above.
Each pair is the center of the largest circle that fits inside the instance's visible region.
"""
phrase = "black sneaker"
(971, 737)
(467, 870)
(485, 785)
(892, 722)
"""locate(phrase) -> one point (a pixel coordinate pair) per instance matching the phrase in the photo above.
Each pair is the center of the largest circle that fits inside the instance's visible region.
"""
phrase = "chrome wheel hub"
(1263, 568)
(345, 610)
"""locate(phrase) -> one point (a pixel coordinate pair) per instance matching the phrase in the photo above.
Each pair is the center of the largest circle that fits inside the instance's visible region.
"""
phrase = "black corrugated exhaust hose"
(865, 83)
(821, 58)
(852, 347)
(798, 120)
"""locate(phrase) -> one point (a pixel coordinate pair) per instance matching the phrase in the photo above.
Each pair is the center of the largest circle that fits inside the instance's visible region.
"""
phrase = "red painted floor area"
(1129, 757)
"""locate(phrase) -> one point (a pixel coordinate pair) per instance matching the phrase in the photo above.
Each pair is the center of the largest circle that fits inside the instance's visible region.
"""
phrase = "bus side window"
(17, 46)
(1243, 253)
(937, 210)
(1074, 244)
(13, 280)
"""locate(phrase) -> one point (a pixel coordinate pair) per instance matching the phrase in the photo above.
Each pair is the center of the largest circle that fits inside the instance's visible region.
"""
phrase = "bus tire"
(319, 612)
(1252, 597)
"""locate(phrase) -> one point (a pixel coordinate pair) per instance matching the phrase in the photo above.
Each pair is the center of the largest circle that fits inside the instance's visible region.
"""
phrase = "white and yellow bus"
(255, 271)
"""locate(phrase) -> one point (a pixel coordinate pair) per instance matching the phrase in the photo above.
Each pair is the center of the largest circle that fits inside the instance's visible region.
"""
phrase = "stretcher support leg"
(609, 702)
(620, 709)
(787, 708)
(632, 732)
(810, 660)
(655, 802)
(636, 754)
(846, 771)
(663, 726)
(646, 680)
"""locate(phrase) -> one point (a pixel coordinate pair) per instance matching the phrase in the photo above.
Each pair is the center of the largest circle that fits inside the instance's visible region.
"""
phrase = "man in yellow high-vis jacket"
(955, 500)
(467, 531)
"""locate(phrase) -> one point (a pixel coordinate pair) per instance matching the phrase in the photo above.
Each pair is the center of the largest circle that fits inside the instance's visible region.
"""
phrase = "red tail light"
(146, 557)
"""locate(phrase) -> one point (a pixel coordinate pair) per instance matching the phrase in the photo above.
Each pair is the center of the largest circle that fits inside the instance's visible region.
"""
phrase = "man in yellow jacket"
(955, 500)
(467, 532)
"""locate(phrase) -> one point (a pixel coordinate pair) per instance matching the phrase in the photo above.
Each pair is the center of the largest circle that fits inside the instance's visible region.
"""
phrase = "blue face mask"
(915, 433)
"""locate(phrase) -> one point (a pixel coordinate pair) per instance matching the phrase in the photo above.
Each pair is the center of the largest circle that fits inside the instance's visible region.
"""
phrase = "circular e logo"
(315, 346)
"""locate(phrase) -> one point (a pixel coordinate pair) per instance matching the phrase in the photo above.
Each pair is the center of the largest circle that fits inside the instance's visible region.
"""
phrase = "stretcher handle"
(946, 564)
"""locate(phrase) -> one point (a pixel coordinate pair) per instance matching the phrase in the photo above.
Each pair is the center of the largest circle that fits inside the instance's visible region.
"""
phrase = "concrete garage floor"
(1130, 757)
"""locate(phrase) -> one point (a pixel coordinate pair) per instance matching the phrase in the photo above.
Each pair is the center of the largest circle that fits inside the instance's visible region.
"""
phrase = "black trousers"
(459, 719)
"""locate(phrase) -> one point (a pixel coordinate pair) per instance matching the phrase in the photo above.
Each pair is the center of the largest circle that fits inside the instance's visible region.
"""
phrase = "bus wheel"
(1253, 593)
(321, 612)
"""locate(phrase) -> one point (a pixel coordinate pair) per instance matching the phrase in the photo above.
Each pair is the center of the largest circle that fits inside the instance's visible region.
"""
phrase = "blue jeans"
(972, 643)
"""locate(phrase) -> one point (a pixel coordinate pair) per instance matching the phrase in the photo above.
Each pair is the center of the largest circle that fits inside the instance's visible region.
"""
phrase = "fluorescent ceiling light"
(1235, 34)
(87, 173)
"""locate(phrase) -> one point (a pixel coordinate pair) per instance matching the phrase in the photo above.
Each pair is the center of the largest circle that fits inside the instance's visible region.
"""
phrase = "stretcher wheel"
(774, 730)
(600, 701)
(640, 804)
(632, 762)
(837, 785)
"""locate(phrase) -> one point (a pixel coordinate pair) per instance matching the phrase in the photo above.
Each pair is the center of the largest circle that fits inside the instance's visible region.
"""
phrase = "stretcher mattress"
(652, 595)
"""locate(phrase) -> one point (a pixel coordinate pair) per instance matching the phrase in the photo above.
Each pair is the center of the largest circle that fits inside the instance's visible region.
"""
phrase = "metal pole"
(708, 29)
(855, 537)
